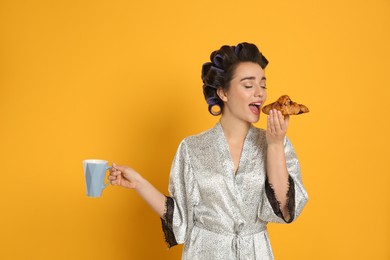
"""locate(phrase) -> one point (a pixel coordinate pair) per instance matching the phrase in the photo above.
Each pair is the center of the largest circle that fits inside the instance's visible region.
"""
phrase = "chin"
(253, 120)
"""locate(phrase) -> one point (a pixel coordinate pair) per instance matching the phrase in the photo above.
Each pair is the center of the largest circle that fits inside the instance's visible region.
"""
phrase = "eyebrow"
(252, 78)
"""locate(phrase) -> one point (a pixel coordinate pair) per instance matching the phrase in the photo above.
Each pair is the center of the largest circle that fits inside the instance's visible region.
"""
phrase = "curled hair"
(219, 71)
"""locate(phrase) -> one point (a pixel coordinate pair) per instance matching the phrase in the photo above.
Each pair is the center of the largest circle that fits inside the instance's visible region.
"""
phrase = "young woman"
(228, 182)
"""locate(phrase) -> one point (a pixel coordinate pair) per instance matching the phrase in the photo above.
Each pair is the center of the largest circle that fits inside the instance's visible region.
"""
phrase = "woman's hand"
(124, 176)
(277, 125)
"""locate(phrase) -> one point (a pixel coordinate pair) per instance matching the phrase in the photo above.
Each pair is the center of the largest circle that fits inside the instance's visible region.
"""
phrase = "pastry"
(286, 106)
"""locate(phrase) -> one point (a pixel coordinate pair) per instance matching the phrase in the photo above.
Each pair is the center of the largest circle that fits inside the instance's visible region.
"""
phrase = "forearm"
(278, 175)
(152, 196)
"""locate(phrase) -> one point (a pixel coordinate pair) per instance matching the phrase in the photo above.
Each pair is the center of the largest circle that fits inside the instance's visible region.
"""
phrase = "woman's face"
(246, 94)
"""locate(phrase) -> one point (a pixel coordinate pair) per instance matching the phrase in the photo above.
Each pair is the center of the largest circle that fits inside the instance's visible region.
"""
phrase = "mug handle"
(109, 182)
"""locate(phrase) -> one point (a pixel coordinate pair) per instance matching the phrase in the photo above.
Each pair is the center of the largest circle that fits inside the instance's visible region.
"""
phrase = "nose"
(259, 91)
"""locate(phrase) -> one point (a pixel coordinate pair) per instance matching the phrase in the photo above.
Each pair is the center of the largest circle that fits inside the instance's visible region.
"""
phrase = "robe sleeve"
(178, 218)
(297, 196)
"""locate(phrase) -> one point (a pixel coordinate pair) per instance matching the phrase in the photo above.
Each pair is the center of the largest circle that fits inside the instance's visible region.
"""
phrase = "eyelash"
(264, 87)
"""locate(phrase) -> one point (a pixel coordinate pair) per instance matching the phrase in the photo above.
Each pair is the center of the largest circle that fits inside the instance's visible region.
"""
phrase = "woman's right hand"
(124, 176)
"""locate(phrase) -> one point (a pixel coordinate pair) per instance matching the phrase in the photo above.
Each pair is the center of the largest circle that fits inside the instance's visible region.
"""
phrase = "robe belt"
(236, 237)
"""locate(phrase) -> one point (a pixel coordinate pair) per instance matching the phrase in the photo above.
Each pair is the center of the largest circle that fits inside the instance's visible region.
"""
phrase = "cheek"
(238, 96)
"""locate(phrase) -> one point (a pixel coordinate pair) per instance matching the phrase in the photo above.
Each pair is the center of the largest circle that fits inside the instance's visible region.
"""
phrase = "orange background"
(120, 80)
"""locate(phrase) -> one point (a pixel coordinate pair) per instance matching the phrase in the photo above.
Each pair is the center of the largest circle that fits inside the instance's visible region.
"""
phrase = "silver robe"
(218, 214)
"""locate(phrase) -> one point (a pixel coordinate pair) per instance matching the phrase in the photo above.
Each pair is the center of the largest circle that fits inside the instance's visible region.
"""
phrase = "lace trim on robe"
(166, 222)
(275, 204)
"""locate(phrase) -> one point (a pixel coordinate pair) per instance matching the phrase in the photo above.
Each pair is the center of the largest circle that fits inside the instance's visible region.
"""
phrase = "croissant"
(286, 106)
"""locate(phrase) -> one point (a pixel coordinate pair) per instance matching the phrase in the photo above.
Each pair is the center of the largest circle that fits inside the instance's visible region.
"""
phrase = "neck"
(234, 129)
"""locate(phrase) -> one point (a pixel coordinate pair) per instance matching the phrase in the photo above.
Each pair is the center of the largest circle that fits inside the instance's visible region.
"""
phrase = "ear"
(222, 94)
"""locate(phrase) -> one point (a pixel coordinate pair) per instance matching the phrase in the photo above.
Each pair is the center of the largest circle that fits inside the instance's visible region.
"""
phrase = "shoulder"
(195, 146)
(258, 134)
(200, 139)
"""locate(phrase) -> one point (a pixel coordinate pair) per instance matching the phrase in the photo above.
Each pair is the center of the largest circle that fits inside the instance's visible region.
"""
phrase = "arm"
(277, 173)
(127, 177)
(278, 176)
(175, 211)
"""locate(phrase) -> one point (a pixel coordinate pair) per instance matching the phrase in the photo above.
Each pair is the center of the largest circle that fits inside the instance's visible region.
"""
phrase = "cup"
(95, 173)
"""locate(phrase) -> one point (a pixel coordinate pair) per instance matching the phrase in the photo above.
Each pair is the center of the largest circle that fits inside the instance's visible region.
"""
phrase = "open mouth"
(255, 107)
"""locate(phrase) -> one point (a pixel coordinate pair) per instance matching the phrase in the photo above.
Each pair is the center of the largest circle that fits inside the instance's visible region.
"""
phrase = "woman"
(228, 182)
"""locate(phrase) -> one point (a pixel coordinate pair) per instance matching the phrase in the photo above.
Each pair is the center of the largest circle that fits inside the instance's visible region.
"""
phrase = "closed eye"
(248, 86)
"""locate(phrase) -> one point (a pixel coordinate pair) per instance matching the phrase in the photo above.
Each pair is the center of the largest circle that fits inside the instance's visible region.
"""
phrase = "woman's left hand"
(277, 125)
